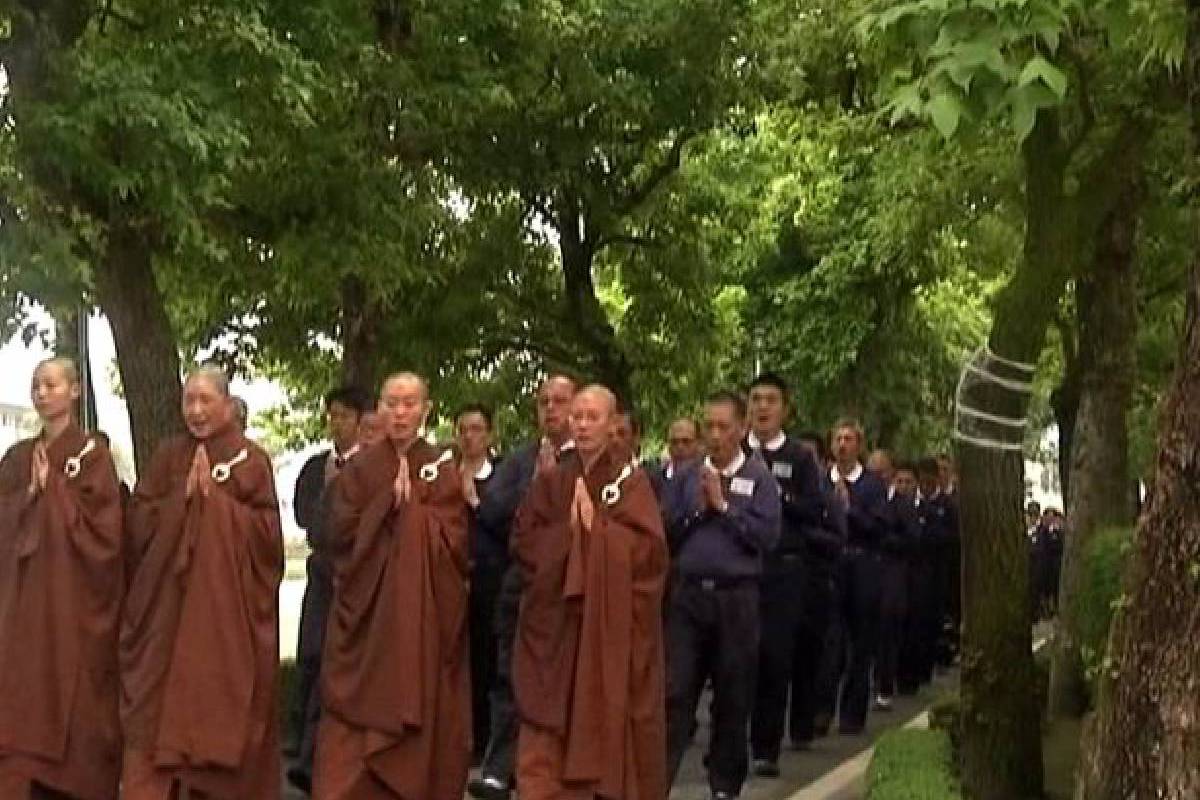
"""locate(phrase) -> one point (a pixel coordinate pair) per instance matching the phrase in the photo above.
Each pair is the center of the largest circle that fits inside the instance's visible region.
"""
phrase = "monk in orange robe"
(588, 669)
(60, 600)
(200, 630)
(395, 683)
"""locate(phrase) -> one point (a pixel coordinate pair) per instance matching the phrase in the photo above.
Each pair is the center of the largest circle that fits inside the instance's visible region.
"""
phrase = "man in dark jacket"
(495, 516)
(344, 409)
(864, 499)
(795, 602)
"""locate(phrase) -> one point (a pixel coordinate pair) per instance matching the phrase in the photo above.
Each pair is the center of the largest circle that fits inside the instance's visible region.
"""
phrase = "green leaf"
(946, 110)
(1025, 101)
(1038, 68)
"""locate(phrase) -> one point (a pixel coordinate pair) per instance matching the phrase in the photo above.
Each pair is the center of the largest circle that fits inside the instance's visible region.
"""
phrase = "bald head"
(215, 377)
(207, 406)
(404, 405)
(593, 417)
(66, 367)
(407, 378)
(54, 389)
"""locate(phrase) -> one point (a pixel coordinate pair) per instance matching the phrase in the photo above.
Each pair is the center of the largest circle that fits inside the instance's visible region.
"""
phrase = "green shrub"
(946, 715)
(1099, 593)
(913, 765)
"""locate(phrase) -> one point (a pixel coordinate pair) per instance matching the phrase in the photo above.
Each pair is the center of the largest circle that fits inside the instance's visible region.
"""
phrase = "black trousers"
(820, 600)
(486, 577)
(712, 632)
(832, 668)
(500, 758)
(922, 625)
(893, 613)
(314, 617)
(950, 601)
(861, 599)
(782, 618)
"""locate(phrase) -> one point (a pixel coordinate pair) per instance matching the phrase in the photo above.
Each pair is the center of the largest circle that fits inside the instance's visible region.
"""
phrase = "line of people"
(563, 609)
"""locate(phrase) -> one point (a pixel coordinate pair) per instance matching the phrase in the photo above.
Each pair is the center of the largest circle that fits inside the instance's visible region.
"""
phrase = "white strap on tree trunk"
(984, 429)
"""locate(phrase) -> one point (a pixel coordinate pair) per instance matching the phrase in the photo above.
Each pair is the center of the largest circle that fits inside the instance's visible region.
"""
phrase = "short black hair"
(475, 408)
(819, 443)
(905, 465)
(731, 398)
(775, 380)
(354, 398)
(635, 421)
(927, 466)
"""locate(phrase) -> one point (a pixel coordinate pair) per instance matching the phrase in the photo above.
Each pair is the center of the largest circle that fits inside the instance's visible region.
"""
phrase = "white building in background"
(16, 423)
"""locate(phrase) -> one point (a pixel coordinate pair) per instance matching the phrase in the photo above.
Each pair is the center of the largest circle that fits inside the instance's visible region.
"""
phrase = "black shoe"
(488, 788)
(765, 768)
(300, 779)
(802, 745)
(723, 796)
(821, 723)
(850, 730)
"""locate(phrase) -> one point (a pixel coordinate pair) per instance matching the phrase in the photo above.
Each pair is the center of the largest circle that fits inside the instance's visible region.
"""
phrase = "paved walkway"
(827, 772)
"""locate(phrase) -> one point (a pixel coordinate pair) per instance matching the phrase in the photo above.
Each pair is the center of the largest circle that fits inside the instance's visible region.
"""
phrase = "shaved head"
(407, 377)
(603, 393)
(593, 418)
(214, 376)
(67, 366)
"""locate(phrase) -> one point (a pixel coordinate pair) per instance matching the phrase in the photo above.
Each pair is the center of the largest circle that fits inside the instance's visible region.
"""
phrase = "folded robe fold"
(588, 662)
(395, 677)
(200, 630)
(60, 596)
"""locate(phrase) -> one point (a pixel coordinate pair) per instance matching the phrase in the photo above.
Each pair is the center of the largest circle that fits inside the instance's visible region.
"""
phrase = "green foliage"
(1099, 596)
(965, 61)
(945, 715)
(913, 765)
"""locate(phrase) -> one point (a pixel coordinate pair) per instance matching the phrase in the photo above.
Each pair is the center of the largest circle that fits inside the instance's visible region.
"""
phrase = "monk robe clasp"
(222, 472)
(74, 464)
(429, 472)
(610, 495)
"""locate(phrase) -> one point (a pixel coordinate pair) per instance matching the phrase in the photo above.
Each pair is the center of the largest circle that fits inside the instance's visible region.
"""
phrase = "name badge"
(742, 486)
(782, 470)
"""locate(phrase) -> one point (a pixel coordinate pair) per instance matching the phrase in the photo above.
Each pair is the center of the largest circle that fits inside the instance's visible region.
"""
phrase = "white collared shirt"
(485, 471)
(777, 442)
(731, 468)
(835, 476)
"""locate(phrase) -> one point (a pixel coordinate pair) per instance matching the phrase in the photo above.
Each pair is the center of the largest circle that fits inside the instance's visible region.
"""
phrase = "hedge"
(1100, 590)
(913, 765)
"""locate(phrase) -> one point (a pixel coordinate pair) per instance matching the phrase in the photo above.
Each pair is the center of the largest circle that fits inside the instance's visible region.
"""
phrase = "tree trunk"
(1145, 738)
(1064, 401)
(1001, 721)
(604, 358)
(146, 354)
(1100, 453)
(360, 336)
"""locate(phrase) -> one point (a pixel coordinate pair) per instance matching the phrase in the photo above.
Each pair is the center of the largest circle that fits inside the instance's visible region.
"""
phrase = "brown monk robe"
(60, 597)
(588, 670)
(395, 688)
(200, 629)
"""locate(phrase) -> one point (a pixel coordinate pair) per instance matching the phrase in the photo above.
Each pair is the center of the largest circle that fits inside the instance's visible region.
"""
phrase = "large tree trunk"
(1145, 738)
(1099, 493)
(146, 354)
(361, 320)
(604, 358)
(1001, 749)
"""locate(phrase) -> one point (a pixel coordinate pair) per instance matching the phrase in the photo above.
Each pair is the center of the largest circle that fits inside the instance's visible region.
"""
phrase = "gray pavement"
(801, 770)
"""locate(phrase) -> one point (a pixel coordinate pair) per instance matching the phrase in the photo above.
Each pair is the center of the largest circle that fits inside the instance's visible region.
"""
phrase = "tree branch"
(654, 179)
(1100, 184)
(1087, 111)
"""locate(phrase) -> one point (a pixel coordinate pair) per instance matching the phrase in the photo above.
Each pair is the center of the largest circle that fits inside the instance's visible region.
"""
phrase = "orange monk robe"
(60, 600)
(588, 665)
(200, 629)
(395, 685)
